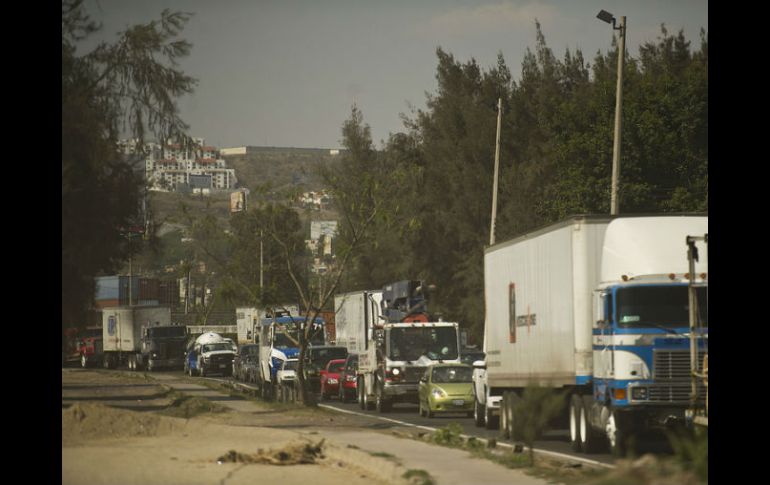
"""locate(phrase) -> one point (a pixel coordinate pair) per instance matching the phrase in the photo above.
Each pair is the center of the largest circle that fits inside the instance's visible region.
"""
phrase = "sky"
(286, 73)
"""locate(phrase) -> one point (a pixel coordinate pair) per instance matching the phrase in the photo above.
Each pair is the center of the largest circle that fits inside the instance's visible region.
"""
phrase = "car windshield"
(290, 365)
(668, 306)
(216, 347)
(409, 343)
(337, 368)
(451, 374)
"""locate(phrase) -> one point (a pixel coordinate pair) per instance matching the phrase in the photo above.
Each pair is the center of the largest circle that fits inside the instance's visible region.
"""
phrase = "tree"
(128, 86)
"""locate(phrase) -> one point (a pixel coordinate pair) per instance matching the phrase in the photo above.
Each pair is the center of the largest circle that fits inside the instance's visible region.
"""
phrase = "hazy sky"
(286, 72)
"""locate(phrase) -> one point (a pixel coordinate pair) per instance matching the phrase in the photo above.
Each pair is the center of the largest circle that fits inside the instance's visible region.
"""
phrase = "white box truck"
(597, 307)
(123, 333)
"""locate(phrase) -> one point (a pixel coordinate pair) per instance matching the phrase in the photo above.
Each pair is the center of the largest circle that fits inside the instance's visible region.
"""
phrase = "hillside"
(270, 173)
(281, 170)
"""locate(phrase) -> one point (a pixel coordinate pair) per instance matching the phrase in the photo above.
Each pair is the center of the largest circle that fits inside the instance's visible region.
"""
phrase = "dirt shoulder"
(112, 436)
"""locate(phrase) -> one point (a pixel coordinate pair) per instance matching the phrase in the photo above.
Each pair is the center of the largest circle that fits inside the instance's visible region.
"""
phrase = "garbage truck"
(395, 338)
(596, 308)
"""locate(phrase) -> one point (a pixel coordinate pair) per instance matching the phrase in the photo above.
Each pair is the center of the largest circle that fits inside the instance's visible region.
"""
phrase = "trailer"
(597, 307)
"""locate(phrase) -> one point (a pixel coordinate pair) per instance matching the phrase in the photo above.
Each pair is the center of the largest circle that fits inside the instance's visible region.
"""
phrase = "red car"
(348, 379)
(330, 378)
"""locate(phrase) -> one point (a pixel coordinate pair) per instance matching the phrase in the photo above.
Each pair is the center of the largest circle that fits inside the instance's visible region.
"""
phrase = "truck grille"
(671, 372)
(674, 364)
(413, 374)
(675, 393)
(221, 359)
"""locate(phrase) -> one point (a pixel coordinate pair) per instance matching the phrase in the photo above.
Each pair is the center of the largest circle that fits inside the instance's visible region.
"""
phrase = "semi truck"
(595, 307)
(395, 339)
(134, 335)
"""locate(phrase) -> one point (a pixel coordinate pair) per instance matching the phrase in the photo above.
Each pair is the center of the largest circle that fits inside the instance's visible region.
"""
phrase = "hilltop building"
(173, 167)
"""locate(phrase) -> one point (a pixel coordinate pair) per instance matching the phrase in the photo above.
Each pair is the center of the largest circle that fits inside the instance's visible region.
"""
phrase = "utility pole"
(609, 18)
(497, 164)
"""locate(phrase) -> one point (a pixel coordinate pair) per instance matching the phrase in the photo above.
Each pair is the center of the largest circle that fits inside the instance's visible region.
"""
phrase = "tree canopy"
(556, 159)
(126, 88)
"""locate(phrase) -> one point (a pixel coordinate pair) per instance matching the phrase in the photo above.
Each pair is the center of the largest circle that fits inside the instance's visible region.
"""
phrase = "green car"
(446, 388)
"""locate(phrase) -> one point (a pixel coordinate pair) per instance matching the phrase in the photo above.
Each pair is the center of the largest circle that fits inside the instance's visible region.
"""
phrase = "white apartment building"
(170, 167)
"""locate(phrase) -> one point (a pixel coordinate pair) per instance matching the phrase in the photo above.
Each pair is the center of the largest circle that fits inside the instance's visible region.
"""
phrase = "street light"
(609, 18)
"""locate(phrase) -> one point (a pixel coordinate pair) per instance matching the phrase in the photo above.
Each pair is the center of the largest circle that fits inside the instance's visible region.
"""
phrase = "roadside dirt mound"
(88, 421)
(292, 454)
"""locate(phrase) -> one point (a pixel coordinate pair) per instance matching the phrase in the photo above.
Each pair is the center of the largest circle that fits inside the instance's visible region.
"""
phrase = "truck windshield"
(289, 335)
(216, 347)
(409, 343)
(164, 332)
(658, 305)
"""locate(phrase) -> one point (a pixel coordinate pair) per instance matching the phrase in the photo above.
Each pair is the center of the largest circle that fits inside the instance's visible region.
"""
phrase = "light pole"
(609, 18)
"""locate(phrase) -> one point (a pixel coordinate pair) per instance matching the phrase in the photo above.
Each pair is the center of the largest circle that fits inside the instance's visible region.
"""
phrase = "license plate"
(458, 402)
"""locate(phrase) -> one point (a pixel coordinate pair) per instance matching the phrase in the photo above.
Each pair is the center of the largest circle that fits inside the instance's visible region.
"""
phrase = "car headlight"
(438, 393)
(154, 355)
(396, 371)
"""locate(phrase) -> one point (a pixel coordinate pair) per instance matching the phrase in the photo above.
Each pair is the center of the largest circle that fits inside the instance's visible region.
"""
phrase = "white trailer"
(356, 315)
(596, 306)
(122, 332)
(247, 321)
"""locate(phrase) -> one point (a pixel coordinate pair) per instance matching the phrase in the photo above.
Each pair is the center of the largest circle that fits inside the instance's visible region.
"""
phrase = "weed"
(532, 413)
(692, 452)
(418, 477)
(189, 406)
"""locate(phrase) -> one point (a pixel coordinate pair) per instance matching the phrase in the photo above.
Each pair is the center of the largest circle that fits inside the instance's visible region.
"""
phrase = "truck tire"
(575, 429)
(382, 404)
(590, 438)
(617, 435)
(504, 417)
(360, 394)
(479, 418)
(491, 422)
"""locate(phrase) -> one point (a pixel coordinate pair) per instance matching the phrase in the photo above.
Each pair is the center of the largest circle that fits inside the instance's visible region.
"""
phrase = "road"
(554, 443)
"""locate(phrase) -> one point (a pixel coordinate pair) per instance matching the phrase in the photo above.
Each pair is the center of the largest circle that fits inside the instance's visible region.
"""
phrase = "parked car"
(330, 379)
(318, 359)
(347, 387)
(471, 356)
(446, 388)
(240, 357)
(285, 378)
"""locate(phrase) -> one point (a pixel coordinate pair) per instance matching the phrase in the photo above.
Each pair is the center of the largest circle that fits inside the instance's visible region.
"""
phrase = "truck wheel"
(588, 435)
(360, 394)
(478, 413)
(575, 428)
(616, 435)
(382, 404)
(504, 417)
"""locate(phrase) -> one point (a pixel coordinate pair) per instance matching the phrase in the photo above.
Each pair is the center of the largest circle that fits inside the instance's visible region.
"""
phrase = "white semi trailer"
(598, 307)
